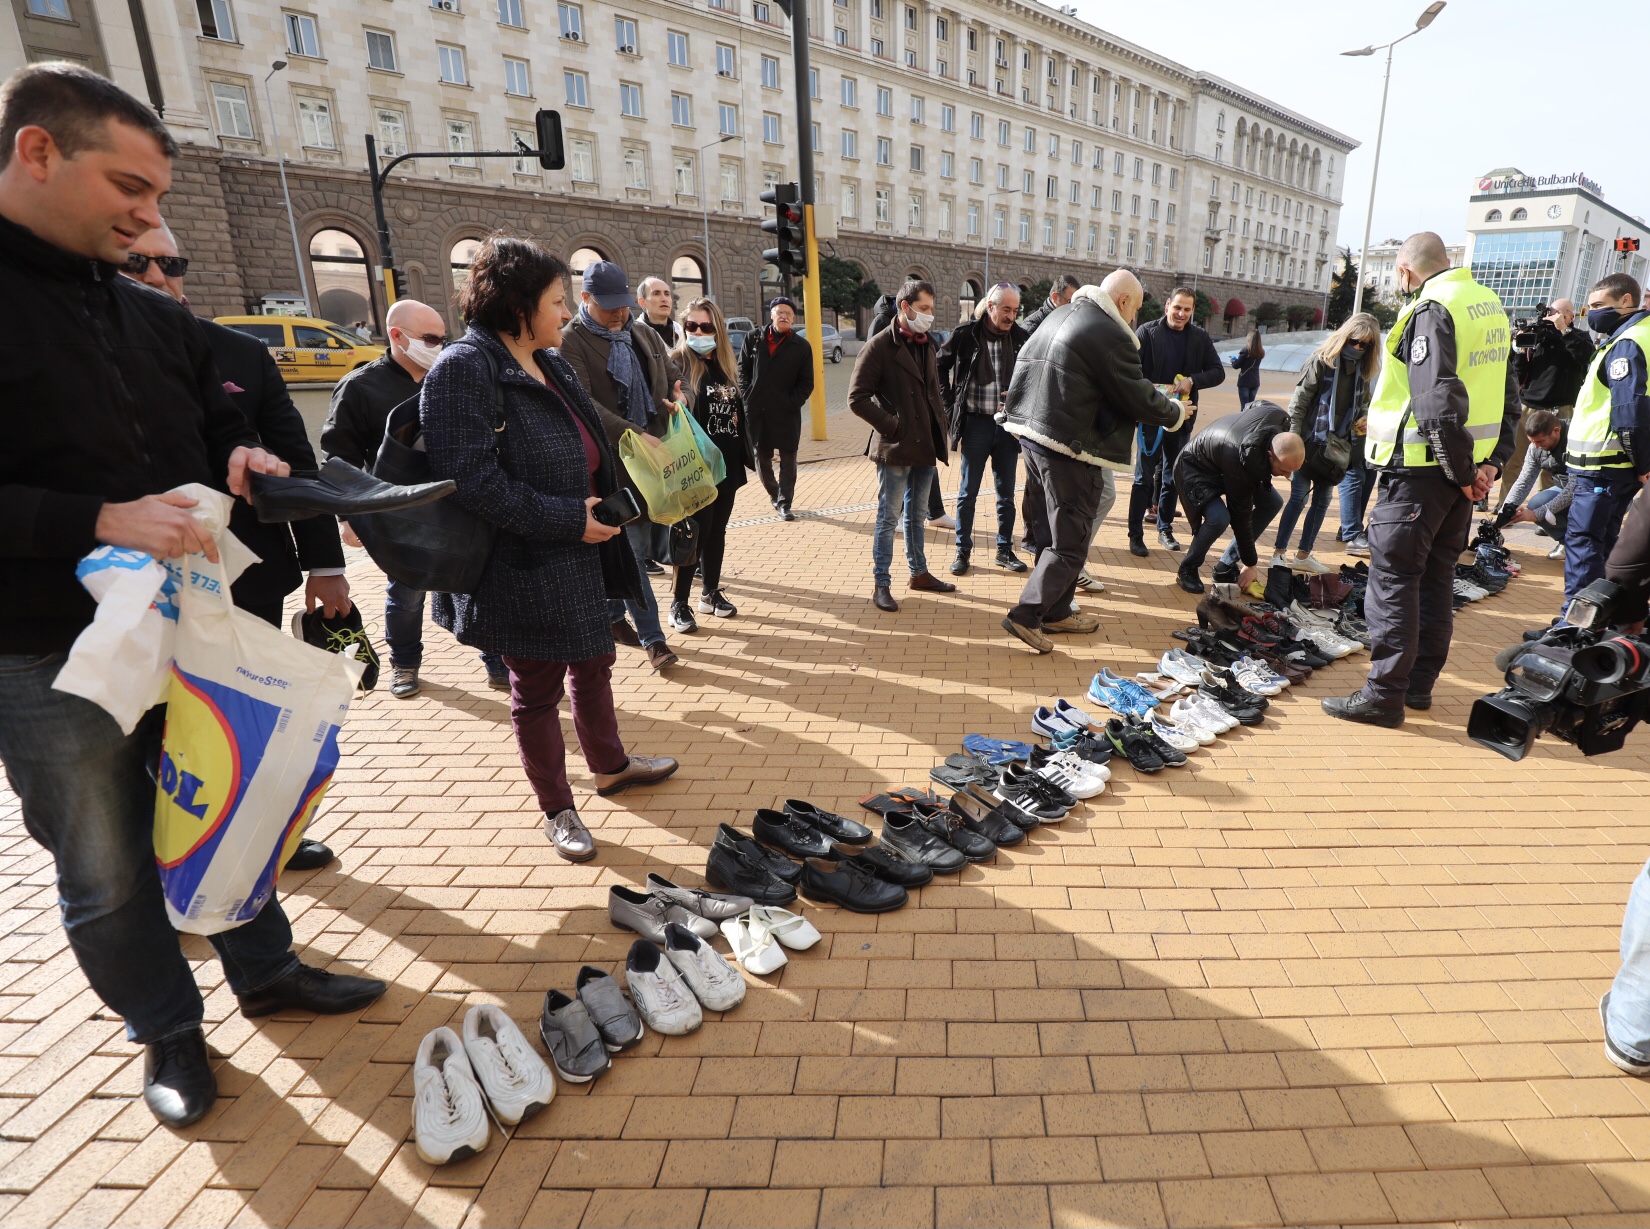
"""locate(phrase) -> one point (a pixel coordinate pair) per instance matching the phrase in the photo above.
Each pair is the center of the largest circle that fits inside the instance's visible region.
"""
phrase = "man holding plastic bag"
(109, 399)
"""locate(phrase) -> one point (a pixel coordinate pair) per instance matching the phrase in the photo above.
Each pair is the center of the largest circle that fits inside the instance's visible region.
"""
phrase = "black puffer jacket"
(1078, 391)
(1032, 321)
(108, 393)
(958, 358)
(1231, 457)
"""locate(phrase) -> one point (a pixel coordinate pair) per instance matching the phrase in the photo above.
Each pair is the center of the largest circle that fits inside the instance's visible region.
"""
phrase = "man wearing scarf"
(633, 383)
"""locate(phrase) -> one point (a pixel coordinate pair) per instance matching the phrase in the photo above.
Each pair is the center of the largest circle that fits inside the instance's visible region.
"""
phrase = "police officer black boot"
(1358, 707)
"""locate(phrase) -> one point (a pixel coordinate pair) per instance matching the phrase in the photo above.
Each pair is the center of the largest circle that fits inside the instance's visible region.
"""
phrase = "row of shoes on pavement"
(757, 933)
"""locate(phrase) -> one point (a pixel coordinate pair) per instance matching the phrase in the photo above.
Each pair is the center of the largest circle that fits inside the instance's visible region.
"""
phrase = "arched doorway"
(582, 259)
(460, 259)
(769, 284)
(687, 280)
(968, 298)
(343, 290)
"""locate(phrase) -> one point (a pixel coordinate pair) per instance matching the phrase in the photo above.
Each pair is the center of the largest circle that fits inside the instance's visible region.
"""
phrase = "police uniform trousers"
(1417, 533)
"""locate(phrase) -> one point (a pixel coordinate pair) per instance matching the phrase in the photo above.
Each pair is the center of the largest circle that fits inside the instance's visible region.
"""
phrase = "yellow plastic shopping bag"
(673, 475)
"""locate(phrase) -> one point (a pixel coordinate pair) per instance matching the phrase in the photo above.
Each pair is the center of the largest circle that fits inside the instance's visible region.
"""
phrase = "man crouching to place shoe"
(83, 166)
(896, 388)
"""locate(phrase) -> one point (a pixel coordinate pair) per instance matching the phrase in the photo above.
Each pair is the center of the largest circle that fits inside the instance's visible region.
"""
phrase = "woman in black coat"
(1246, 362)
(776, 372)
(542, 599)
(704, 356)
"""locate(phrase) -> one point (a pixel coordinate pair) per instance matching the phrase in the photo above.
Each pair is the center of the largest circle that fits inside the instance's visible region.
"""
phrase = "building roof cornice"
(1209, 83)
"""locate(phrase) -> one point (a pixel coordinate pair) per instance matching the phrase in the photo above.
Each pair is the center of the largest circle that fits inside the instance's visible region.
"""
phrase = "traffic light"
(789, 257)
(551, 155)
(1627, 245)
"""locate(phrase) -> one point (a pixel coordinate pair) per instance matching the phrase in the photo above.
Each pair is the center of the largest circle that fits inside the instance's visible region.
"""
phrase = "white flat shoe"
(792, 929)
(753, 948)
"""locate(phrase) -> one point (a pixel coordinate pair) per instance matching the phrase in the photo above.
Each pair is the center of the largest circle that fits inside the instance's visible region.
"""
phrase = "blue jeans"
(982, 439)
(1628, 1019)
(1539, 501)
(644, 614)
(901, 490)
(1600, 501)
(89, 798)
(404, 629)
(1216, 518)
(1299, 485)
(1355, 490)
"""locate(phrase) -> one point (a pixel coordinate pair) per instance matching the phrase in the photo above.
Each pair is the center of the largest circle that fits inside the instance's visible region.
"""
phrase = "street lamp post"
(704, 201)
(280, 161)
(991, 238)
(1421, 23)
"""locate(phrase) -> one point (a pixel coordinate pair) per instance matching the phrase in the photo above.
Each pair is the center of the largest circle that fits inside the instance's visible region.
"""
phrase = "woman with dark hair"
(710, 388)
(536, 475)
(1246, 362)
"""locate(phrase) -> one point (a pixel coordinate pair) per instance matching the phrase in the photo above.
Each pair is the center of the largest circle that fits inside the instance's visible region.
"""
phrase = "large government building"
(991, 138)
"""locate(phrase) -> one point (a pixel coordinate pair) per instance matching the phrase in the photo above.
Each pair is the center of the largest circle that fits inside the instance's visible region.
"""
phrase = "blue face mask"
(699, 343)
(1604, 320)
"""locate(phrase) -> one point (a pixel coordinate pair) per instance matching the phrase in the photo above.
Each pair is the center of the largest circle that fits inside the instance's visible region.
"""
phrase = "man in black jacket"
(111, 400)
(1059, 295)
(1075, 401)
(1225, 475)
(1033, 511)
(1549, 374)
(776, 374)
(1173, 352)
(976, 365)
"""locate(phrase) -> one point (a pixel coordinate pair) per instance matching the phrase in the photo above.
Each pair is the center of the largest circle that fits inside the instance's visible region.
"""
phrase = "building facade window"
(234, 112)
(1520, 267)
(217, 21)
(681, 110)
(676, 49)
(684, 176)
(518, 79)
(577, 89)
(770, 128)
(850, 144)
(850, 92)
(973, 220)
(509, 13)
(302, 38)
(635, 168)
(571, 19)
(461, 141)
(625, 41)
(770, 73)
(381, 51)
(727, 119)
(885, 152)
(885, 101)
(392, 131)
(885, 205)
(451, 60)
(630, 100)
(726, 61)
(315, 124)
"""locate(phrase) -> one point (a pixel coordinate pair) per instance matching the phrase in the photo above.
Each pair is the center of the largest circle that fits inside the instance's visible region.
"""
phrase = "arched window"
(967, 299)
(687, 279)
(582, 259)
(343, 292)
(461, 258)
(1520, 215)
(1493, 215)
(769, 283)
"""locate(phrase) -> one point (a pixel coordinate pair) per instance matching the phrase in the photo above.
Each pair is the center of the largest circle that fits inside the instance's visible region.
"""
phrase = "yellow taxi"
(307, 351)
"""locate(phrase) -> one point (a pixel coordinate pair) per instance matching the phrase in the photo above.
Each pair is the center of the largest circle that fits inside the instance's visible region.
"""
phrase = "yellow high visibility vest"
(1481, 347)
(1593, 443)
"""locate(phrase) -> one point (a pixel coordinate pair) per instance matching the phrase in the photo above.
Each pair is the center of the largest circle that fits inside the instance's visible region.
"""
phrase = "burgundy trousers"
(536, 690)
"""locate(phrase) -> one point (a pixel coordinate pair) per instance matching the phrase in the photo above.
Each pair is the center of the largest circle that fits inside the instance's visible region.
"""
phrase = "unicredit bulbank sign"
(1530, 183)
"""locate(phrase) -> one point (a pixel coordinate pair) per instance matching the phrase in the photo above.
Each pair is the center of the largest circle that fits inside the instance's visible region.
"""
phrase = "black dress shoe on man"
(341, 490)
(1006, 558)
(850, 885)
(959, 565)
(884, 863)
(178, 1084)
(883, 599)
(1358, 707)
(1420, 701)
(307, 989)
(733, 868)
(837, 827)
(309, 856)
(1165, 535)
(776, 864)
(903, 833)
(792, 835)
(1137, 546)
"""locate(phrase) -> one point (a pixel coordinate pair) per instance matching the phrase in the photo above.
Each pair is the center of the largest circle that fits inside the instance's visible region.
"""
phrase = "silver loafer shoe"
(713, 906)
(648, 915)
(569, 835)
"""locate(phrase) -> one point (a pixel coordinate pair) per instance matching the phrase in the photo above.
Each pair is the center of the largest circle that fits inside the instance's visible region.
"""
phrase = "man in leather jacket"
(1076, 398)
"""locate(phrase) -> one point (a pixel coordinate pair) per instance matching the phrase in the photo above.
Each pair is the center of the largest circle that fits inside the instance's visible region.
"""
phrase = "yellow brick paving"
(1326, 974)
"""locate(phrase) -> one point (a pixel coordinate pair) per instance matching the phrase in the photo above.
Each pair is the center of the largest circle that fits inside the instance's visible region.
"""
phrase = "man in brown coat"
(896, 388)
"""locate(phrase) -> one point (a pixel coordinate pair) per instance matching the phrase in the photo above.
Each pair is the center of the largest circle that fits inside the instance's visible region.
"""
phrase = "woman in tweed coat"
(542, 599)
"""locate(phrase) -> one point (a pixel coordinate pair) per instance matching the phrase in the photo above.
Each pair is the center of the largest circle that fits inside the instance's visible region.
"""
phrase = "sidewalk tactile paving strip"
(1325, 974)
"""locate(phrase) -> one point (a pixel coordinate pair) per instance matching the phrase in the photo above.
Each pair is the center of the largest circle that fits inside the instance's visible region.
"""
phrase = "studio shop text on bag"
(252, 719)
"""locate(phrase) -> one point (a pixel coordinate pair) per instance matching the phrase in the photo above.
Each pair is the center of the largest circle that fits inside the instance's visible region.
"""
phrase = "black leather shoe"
(1015, 814)
(307, 989)
(309, 856)
(959, 565)
(851, 886)
(946, 825)
(1006, 558)
(178, 1083)
(908, 838)
(837, 827)
(1357, 707)
(340, 490)
(1165, 535)
(1137, 546)
(884, 863)
(734, 869)
(883, 599)
(1419, 701)
(987, 821)
(792, 835)
(776, 864)
(1189, 581)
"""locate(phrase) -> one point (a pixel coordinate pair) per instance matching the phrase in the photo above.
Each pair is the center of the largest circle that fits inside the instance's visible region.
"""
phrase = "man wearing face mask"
(1608, 450)
(1441, 425)
(354, 429)
(896, 388)
(776, 372)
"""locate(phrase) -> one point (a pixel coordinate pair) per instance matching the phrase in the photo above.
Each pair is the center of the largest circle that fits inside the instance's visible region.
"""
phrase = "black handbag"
(1328, 460)
(441, 547)
(674, 546)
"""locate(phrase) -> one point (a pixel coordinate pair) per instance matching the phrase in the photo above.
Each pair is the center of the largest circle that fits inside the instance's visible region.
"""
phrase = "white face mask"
(699, 343)
(920, 322)
(422, 352)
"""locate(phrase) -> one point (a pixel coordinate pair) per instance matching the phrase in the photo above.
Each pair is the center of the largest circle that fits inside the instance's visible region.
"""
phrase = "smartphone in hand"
(619, 508)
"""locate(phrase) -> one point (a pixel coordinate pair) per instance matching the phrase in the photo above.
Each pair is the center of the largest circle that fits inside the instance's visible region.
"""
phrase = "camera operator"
(1546, 456)
(1549, 359)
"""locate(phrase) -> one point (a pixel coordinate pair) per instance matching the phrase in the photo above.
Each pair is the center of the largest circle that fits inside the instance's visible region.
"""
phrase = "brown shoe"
(660, 657)
(929, 583)
(641, 770)
(1073, 623)
(1030, 635)
(882, 599)
(623, 633)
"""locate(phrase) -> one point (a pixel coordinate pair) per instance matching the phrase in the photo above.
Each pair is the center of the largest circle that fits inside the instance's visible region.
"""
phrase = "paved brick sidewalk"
(1325, 974)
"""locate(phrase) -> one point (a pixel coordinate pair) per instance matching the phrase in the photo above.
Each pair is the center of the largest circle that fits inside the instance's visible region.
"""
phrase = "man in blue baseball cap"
(633, 382)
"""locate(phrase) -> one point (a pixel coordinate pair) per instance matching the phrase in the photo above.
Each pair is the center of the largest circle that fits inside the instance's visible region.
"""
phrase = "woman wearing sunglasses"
(710, 388)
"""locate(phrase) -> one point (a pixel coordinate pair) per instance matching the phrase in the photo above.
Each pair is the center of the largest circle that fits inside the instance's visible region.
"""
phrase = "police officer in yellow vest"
(1441, 425)
(1609, 445)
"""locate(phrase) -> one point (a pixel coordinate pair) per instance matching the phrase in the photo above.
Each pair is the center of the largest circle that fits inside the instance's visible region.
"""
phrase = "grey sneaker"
(403, 681)
(648, 915)
(615, 1019)
(569, 835)
(714, 981)
(660, 994)
(1615, 1054)
(713, 906)
(1359, 545)
(576, 1048)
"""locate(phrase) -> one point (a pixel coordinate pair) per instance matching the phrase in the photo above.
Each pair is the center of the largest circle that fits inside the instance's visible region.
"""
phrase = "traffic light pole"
(812, 311)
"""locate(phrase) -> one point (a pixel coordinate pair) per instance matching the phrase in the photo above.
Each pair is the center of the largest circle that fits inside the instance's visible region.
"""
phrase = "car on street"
(739, 328)
(832, 341)
(308, 351)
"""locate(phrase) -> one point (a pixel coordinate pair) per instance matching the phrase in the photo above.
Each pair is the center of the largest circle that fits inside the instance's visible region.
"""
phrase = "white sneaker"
(1310, 564)
(713, 980)
(1306, 616)
(515, 1079)
(756, 950)
(449, 1119)
(1182, 666)
(1176, 737)
(1081, 767)
(1078, 785)
(1246, 672)
(792, 929)
(1191, 709)
(662, 998)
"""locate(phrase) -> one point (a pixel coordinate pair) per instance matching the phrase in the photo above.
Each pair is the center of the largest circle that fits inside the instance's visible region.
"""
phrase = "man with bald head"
(654, 301)
(1074, 401)
(1441, 427)
(1549, 372)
